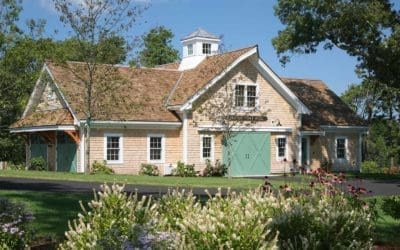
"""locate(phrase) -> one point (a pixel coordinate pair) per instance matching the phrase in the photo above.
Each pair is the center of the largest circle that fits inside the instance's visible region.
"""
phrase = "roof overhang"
(316, 132)
(135, 124)
(200, 38)
(188, 104)
(360, 129)
(44, 128)
(245, 129)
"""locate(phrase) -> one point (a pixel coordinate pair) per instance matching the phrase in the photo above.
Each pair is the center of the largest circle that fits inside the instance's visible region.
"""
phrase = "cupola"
(196, 46)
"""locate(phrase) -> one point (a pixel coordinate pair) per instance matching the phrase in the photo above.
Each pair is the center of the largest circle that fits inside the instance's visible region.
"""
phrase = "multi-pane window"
(113, 148)
(155, 148)
(206, 147)
(190, 49)
(245, 96)
(239, 95)
(341, 148)
(206, 48)
(281, 147)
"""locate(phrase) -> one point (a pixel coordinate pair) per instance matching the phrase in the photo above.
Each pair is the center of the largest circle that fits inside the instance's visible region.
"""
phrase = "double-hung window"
(207, 147)
(155, 148)
(113, 148)
(281, 143)
(341, 148)
(245, 96)
(206, 48)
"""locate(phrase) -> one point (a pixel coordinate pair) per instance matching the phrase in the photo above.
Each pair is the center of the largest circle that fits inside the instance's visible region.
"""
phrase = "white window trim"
(278, 158)
(162, 160)
(211, 158)
(121, 148)
(245, 107)
(202, 49)
(346, 148)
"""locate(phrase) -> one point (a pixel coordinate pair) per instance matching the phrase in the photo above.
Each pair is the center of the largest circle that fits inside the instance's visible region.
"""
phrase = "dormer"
(196, 46)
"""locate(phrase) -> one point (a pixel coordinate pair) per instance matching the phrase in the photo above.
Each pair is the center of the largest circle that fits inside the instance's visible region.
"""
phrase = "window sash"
(341, 148)
(190, 49)
(239, 96)
(207, 147)
(113, 148)
(155, 148)
(251, 96)
(281, 147)
(206, 48)
(245, 95)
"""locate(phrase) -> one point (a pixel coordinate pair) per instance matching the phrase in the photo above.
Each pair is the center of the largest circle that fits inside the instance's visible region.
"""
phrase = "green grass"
(51, 210)
(170, 181)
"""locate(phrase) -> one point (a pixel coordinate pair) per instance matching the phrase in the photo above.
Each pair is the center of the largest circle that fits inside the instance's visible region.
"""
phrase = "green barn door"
(250, 154)
(38, 148)
(66, 153)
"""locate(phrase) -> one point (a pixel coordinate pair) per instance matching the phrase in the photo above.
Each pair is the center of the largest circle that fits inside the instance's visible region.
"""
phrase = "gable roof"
(200, 33)
(135, 95)
(327, 108)
(191, 81)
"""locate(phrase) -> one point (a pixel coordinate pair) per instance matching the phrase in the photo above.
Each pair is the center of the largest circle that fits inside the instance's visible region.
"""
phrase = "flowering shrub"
(14, 225)
(101, 168)
(216, 169)
(184, 170)
(149, 169)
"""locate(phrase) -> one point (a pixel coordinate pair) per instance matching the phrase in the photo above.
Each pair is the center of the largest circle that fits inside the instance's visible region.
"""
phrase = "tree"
(158, 48)
(368, 30)
(92, 22)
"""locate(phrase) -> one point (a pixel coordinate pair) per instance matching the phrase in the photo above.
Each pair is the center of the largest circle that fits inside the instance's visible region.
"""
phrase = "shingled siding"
(323, 149)
(270, 102)
(135, 148)
(49, 99)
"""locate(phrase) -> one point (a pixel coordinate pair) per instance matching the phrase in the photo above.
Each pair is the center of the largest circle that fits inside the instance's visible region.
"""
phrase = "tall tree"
(92, 22)
(368, 30)
(158, 48)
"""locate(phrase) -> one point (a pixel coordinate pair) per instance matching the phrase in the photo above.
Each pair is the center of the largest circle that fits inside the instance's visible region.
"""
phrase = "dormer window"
(206, 48)
(190, 49)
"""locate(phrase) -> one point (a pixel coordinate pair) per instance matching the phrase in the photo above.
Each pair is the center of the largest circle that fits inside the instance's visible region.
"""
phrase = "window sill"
(114, 162)
(156, 161)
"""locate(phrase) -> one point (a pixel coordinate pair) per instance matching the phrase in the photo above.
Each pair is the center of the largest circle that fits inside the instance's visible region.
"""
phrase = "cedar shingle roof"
(326, 107)
(135, 95)
(194, 79)
(45, 118)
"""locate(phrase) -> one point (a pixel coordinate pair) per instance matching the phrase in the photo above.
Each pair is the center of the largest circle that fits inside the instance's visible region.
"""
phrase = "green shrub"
(218, 169)
(391, 206)
(149, 169)
(184, 170)
(14, 225)
(370, 167)
(13, 166)
(101, 168)
(38, 164)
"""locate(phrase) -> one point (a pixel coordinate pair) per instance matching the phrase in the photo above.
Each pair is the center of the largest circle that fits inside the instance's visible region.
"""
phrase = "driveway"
(377, 187)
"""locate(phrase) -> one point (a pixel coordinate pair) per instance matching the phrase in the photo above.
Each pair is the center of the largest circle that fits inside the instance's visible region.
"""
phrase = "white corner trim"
(273, 78)
(30, 102)
(244, 128)
(82, 150)
(43, 128)
(185, 137)
(76, 120)
(211, 158)
(121, 148)
(162, 160)
(277, 157)
(188, 104)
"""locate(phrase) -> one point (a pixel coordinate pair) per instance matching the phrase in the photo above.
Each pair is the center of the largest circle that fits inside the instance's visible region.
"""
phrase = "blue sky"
(242, 23)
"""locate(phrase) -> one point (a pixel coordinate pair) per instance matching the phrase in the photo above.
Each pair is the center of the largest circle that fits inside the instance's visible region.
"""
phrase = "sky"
(242, 24)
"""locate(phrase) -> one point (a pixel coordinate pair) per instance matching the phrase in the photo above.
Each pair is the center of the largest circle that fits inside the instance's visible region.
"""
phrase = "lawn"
(170, 181)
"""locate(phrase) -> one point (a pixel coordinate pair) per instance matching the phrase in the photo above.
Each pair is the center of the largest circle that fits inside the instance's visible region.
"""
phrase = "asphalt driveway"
(377, 187)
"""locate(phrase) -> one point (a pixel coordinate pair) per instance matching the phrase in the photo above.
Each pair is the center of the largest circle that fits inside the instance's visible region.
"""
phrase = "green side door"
(66, 153)
(248, 153)
(38, 148)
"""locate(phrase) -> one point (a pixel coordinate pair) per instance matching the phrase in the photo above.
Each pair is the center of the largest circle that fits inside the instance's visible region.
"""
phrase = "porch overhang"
(34, 129)
(135, 124)
(315, 132)
(359, 129)
(218, 128)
